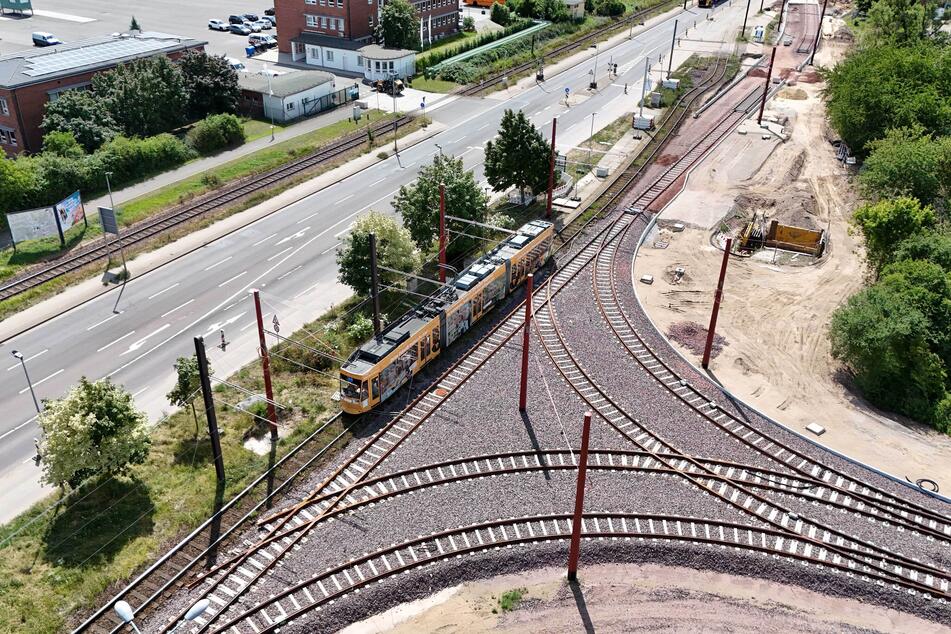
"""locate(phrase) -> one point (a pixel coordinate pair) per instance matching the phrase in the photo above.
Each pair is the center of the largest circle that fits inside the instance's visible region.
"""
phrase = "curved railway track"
(280, 609)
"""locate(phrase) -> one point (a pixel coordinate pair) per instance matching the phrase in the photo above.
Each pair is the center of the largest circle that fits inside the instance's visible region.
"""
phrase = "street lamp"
(19, 357)
(594, 71)
(193, 613)
(270, 94)
(112, 206)
(124, 611)
(438, 147)
(591, 140)
(393, 78)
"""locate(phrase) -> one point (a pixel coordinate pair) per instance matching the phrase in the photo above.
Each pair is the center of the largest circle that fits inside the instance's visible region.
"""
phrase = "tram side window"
(375, 387)
(363, 391)
(436, 339)
(424, 347)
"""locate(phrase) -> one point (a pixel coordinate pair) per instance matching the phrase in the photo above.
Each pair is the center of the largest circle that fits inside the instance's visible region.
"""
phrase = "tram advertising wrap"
(384, 364)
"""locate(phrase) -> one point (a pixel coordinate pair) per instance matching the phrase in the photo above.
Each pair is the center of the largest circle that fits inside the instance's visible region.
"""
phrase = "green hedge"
(216, 132)
(431, 59)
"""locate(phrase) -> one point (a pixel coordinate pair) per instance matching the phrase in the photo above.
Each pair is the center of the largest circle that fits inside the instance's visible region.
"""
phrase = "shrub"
(500, 14)
(216, 132)
(611, 8)
(468, 24)
(361, 329)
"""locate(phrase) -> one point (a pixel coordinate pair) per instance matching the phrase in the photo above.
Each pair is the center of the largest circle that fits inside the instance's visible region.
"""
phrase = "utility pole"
(745, 16)
(769, 74)
(442, 233)
(815, 45)
(716, 304)
(647, 72)
(393, 77)
(673, 42)
(265, 364)
(579, 502)
(551, 168)
(591, 139)
(112, 206)
(209, 408)
(594, 72)
(374, 286)
(526, 336)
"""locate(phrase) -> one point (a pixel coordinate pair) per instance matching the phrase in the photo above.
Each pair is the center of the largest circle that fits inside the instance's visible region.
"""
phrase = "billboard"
(32, 224)
(70, 211)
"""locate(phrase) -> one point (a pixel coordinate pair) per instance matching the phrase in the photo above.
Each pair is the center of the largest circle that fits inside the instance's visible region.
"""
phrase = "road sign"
(107, 217)
(567, 91)
(561, 162)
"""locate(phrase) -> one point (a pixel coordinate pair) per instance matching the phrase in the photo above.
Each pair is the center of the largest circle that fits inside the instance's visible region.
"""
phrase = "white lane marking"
(306, 218)
(20, 426)
(291, 271)
(277, 255)
(138, 344)
(299, 234)
(219, 262)
(232, 279)
(62, 16)
(164, 290)
(546, 108)
(342, 233)
(134, 394)
(326, 251)
(344, 198)
(27, 388)
(406, 167)
(469, 150)
(377, 182)
(114, 315)
(219, 325)
(301, 294)
(177, 307)
(115, 341)
(253, 323)
(483, 127)
(38, 354)
(263, 240)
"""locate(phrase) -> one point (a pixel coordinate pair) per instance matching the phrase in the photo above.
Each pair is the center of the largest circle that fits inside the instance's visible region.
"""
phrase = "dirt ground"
(627, 598)
(776, 310)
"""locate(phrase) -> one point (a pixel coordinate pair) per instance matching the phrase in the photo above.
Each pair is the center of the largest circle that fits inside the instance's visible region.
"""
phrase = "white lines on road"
(219, 325)
(68, 17)
(344, 198)
(340, 234)
(277, 255)
(163, 291)
(177, 307)
(469, 150)
(20, 426)
(138, 344)
(27, 388)
(228, 281)
(114, 315)
(263, 318)
(263, 240)
(484, 127)
(115, 341)
(305, 218)
(38, 354)
(299, 266)
(134, 394)
(299, 234)
(326, 251)
(218, 263)
(377, 182)
(299, 295)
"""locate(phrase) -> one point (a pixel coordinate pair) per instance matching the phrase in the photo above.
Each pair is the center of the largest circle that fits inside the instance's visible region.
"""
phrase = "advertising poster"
(32, 224)
(70, 211)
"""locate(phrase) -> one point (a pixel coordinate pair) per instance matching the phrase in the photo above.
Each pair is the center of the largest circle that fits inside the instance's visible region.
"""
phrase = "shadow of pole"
(215, 527)
(530, 430)
(582, 606)
(270, 474)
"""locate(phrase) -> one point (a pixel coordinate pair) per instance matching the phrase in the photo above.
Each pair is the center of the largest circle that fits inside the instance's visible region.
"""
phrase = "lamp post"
(19, 357)
(591, 140)
(594, 71)
(393, 77)
(438, 147)
(193, 613)
(112, 206)
(270, 94)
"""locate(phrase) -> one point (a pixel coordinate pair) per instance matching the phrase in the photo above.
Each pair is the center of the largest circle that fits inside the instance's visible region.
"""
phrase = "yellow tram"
(382, 365)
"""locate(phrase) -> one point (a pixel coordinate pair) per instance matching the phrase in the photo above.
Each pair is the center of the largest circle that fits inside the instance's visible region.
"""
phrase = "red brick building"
(329, 33)
(31, 78)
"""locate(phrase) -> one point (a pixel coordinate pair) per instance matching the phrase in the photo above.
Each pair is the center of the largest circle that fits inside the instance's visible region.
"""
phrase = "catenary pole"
(815, 44)
(526, 337)
(575, 549)
(711, 331)
(442, 233)
(551, 168)
(265, 364)
(673, 42)
(769, 74)
(209, 408)
(374, 286)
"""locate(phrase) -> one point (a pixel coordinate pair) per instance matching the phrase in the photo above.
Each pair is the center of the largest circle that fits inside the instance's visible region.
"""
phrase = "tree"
(927, 287)
(468, 24)
(904, 163)
(890, 86)
(21, 183)
(94, 430)
(145, 97)
(886, 223)
(134, 25)
(500, 14)
(552, 10)
(418, 203)
(62, 144)
(211, 83)
(400, 25)
(899, 21)
(520, 157)
(525, 8)
(933, 246)
(394, 248)
(611, 8)
(81, 113)
(187, 385)
(879, 334)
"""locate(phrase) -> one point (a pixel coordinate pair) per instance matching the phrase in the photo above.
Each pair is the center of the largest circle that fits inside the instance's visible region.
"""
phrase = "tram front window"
(349, 391)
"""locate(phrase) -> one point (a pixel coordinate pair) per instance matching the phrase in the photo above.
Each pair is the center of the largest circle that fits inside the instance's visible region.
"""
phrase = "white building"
(575, 8)
(335, 53)
(286, 96)
(382, 63)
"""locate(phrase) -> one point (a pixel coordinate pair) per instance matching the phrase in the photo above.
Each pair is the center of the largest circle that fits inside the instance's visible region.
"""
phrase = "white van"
(42, 38)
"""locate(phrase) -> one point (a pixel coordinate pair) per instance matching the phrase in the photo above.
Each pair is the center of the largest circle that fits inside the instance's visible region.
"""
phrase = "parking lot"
(72, 20)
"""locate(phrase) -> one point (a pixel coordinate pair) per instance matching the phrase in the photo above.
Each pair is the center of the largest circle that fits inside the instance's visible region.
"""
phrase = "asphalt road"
(289, 255)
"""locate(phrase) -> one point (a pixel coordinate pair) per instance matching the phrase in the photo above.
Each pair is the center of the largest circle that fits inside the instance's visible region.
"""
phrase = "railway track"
(282, 608)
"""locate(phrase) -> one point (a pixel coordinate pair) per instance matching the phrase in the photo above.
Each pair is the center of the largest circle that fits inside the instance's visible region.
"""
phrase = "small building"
(575, 8)
(31, 78)
(289, 96)
(383, 63)
(333, 53)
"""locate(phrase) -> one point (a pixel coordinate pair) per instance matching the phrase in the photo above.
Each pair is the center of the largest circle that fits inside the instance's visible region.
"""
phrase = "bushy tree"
(62, 144)
(552, 10)
(187, 385)
(84, 115)
(500, 14)
(890, 86)
(468, 24)
(611, 8)
(399, 25)
(899, 21)
(880, 335)
(211, 83)
(927, 287)
(520, 157)
(21, 183)
(94, 430)
(933, 246)
(886, 223)
(216, 132)
(394, 248)
(525, 8)
(145, 97)
(418, 203)
(134, 25)
(906, 163)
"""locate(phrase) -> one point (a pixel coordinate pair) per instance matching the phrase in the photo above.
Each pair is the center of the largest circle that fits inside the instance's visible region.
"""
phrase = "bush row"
(442, 55)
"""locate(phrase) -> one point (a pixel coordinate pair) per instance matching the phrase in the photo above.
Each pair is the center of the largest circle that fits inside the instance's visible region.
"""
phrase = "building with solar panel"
(31, 78)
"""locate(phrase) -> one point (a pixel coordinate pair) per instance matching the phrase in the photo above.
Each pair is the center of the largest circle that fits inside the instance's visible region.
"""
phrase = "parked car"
(265, 25)
(236, 19)
(254, 26)
(269, 11)
(262, 42)
(240, 29)
(217, 25)
(251, 17)
(270, 40)
(271, 19)
(235, 64)
(42, 38)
